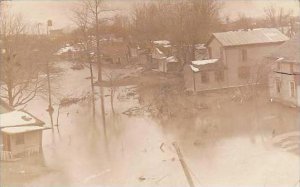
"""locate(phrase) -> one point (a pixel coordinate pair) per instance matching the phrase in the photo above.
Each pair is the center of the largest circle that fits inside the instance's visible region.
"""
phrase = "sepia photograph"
(150, 93)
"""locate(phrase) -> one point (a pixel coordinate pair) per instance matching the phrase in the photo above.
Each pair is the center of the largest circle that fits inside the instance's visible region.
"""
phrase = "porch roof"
(22, 129)
(206, 65)
(289, 51)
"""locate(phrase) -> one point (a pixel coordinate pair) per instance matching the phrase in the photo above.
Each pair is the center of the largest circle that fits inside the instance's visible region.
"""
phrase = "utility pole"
(184, 166)
(50, 108)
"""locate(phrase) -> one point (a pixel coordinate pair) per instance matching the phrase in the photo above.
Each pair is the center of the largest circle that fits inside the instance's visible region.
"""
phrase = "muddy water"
(138, 151)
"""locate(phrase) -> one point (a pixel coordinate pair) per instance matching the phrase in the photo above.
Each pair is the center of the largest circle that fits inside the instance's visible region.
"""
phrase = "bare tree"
(243, 22)
(186, 23)
(278, 17)
(94, 10)
(20, 80)
(81, 19)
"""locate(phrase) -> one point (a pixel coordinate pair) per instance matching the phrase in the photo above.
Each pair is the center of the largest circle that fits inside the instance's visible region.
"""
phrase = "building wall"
(190, 77)
(31, 139)
(256, 54)
(284, 96)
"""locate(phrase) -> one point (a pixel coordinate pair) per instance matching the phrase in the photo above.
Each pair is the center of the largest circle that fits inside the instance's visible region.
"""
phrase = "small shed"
(158, 57)
(21, 134)
(170, 64)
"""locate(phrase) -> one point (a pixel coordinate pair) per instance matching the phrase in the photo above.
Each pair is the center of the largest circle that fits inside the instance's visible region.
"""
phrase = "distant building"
(162, 63)
(284, 81)
(232, 57)
(21, 133)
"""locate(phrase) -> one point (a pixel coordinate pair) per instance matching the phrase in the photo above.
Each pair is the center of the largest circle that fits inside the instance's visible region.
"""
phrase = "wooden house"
(236, 54)
(21, 133)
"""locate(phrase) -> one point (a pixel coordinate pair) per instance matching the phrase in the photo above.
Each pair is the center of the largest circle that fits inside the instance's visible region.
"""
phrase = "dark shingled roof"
(289, 51)
(255, 36)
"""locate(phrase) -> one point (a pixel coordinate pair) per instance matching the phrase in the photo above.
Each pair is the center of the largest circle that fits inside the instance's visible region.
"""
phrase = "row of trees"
(185, 23)
(188, 22)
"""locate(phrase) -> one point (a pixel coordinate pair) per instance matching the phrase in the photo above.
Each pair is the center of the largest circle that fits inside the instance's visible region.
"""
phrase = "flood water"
(138, 150)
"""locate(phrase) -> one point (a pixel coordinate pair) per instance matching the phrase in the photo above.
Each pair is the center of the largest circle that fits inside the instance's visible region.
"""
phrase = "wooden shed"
(21, 134)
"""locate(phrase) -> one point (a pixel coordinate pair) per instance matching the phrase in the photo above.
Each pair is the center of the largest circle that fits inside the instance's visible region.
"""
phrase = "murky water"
(138, 151)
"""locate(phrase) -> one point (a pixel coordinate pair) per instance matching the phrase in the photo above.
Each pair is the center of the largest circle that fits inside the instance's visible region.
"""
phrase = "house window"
(20, 139)
(244, 72)
(204, 77)
(278, 85)
(244, 55)
(219, 76)
(292, 89)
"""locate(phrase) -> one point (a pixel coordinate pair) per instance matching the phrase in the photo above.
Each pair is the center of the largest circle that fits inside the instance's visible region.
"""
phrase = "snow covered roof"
(18, 118)
(204, 62)
(22, 129)
(162, 42)
(172, 59)
(67, 49)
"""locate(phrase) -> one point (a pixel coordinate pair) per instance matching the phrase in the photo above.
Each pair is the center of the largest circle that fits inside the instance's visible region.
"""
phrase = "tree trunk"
(100, 71)
(50, 108)
(112, 100)
(93, 90)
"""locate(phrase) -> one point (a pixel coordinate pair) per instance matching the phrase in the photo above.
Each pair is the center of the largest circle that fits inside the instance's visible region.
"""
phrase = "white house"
(21, 133)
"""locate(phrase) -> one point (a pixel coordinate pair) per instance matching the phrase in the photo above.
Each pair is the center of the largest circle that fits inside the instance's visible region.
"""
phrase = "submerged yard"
(225, 140)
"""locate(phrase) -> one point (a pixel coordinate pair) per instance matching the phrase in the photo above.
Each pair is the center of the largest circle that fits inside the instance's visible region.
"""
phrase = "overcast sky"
(60, 10)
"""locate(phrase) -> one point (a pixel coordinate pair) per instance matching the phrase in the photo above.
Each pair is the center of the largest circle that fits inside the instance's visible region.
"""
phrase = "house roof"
(255, 36)
(18, 118)
(288, 51)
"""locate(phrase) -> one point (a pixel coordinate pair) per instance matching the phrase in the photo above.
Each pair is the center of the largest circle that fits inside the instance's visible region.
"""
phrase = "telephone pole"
(50, 108)
(184, 166)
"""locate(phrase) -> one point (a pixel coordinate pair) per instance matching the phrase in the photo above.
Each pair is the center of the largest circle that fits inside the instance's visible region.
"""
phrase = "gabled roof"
(18, 118)
(255, 36)
(288, 51)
